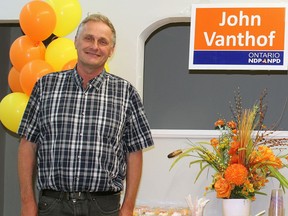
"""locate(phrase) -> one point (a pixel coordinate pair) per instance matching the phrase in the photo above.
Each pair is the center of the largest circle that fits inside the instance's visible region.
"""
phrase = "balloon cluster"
(31, 59)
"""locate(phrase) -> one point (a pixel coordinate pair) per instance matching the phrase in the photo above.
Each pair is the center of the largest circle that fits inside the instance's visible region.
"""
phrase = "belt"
(76, 195)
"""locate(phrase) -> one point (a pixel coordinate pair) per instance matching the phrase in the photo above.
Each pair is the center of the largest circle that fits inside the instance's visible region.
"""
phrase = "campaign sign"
(238, 37)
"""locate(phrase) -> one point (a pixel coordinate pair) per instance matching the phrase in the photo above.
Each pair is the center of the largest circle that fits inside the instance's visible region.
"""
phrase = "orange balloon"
(70, 64)
(37, 20)
(14, 80)
(23, 50)
(33, 71)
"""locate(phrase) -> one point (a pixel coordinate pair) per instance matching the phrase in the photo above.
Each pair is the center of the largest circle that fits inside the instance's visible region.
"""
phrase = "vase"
(276, 203)
(236, 207)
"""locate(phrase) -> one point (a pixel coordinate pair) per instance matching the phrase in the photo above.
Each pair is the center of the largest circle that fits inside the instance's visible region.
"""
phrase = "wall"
(176, 98)
(134, 21)
(9, 192)
(5, 39)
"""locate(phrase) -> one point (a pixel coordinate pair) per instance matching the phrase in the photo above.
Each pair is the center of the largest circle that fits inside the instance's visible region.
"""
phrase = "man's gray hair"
(98, 18)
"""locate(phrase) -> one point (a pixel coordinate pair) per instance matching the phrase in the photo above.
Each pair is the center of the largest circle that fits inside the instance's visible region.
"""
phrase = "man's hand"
(29, 209)
(126, 211)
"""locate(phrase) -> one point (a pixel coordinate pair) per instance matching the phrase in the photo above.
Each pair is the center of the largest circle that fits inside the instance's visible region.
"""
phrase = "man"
(84, 129)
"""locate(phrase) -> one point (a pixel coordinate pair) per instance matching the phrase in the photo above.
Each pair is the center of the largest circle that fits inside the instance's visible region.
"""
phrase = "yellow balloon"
(68, 16)
(106, 66)
(12, 108)
(59, 52)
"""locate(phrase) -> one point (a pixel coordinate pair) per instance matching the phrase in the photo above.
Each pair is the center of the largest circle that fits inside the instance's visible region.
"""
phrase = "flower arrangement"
(242, 156)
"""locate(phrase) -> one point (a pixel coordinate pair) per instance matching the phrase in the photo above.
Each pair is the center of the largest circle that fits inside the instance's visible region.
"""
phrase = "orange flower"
(278, 162)
(214, 142)
(248, 186)
(234, 137)
(219, 123)
(258, 181)
(236, 174)
(232, 125)
(222, 188)
(264, 154)
(234, 159)
(234, 147)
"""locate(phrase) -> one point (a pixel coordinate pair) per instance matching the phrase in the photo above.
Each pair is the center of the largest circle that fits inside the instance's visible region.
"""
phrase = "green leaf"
(184, 154)
(276, 174)
(201, 170)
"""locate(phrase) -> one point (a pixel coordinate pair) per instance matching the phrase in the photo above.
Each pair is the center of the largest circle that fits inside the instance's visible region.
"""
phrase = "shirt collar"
(96, 82)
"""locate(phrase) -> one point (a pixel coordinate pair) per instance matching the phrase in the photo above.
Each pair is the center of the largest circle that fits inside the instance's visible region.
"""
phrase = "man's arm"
(134, 171)
(26, 167)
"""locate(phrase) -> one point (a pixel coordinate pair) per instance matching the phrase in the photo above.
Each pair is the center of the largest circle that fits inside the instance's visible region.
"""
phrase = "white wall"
(135, 21)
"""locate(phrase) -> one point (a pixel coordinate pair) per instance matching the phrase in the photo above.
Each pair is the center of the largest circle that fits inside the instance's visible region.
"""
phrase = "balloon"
(14, 80)
(59, 52)
(12, 108)
(23, 50)
(68, 15)
(33, 71)
(37, 20)
(70, 64)
(106, 66)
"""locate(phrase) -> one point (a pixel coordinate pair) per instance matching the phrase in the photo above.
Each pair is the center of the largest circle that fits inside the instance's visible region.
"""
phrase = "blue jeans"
(107, 205)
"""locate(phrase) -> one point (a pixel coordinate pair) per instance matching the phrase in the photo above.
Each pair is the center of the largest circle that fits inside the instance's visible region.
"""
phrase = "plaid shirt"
(83, 136)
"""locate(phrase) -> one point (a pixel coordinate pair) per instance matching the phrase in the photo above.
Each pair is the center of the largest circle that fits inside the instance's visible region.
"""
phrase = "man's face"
(94, 44)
